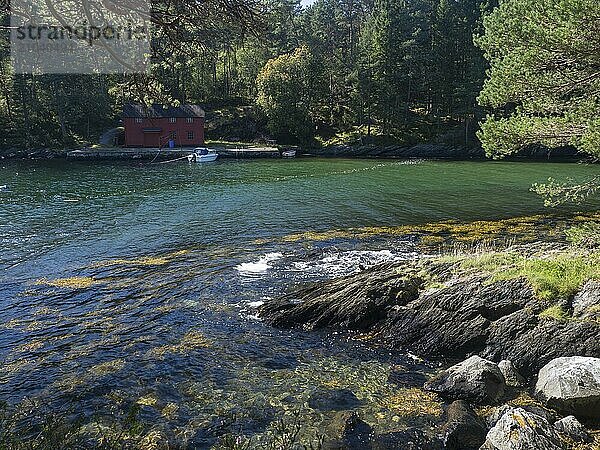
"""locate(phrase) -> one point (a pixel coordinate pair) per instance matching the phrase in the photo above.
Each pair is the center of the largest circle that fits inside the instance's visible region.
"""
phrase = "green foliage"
(286, 86)
(490, 261)
(544, 75)
(556, 193)
(553, 276)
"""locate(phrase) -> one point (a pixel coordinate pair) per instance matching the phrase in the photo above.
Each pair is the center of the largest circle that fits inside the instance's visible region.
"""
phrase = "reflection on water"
(127, 285)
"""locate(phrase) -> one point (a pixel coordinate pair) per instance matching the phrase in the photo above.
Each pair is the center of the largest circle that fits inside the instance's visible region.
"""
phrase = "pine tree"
(544, 80)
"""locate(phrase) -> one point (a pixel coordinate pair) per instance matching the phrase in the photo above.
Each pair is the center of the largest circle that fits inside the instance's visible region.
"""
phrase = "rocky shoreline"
(505, 331)
(42, 153)
(423, 151)
(434, 151)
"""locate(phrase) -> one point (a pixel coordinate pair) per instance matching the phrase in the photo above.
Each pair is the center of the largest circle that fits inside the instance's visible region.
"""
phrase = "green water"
(176, 334)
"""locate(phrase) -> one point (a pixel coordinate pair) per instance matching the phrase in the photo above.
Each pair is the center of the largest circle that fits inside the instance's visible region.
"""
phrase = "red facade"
(156, 132)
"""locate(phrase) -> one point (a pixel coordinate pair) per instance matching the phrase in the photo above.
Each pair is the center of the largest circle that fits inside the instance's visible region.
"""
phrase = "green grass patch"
(555, 312)
(555, 277)
(491, 262)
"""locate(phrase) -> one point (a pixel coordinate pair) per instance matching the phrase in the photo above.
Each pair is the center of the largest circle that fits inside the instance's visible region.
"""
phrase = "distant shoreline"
(429, 151)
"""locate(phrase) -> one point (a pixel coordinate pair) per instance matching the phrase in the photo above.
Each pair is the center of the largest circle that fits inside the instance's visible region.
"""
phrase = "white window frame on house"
(172, 119)
(139, 120)
(189, 119)
(190, 135)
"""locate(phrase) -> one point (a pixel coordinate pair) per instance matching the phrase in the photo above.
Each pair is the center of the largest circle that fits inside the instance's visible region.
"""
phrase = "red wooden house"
(156, 125)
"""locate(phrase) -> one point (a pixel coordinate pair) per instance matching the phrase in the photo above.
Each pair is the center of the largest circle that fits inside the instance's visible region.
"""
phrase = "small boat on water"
(203, 154)
(288, 154)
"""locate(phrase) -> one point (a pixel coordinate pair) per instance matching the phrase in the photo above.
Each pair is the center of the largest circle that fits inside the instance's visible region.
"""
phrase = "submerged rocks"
(347, 432)
(463, 430)
(333, 400)
(518, 429)
(474, 379)
(409, 439)
(571, 385)
(356, 302)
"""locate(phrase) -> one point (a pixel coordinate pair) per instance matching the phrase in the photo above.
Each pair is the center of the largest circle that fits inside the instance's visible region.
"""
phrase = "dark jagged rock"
(410, 439)
(571, 385)
(518, 429)
(463, 430)
(347, 432)
(474, 379)
(530, 342)
(586, 303)
(496, 320)
(455, 321)
(356, 302)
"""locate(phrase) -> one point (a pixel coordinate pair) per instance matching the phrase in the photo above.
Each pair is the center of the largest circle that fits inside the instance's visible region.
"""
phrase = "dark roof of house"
(157, 111)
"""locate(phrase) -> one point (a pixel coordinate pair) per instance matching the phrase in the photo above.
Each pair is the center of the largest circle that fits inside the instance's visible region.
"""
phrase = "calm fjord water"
(125, 284)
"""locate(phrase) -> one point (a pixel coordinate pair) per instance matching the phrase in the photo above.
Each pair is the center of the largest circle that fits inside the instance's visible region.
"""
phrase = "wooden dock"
(163, 154)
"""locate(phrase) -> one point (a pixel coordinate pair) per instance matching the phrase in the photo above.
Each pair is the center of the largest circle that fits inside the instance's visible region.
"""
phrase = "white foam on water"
(256, 304)
(260, 266)
(343, 263)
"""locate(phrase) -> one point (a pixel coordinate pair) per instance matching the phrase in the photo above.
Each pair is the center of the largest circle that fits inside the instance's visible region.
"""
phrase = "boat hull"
(197, 158)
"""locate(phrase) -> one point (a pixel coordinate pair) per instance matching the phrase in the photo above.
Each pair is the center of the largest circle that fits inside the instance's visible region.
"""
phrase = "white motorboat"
(203, 154)
(288, 154)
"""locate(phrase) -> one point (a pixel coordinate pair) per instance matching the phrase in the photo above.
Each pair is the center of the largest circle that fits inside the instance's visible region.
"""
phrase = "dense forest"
(338, 71)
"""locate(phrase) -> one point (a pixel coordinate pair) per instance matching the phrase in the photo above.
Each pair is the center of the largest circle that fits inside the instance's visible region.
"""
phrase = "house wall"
(135, 136)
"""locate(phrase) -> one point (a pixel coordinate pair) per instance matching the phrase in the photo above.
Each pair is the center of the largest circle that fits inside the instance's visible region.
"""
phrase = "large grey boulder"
(518, 429)
(571, 385)
(587, 301)
(475, 379)
(572, 428)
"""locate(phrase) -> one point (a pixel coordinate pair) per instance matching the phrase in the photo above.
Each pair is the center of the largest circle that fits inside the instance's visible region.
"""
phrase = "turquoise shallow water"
(170, 260)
